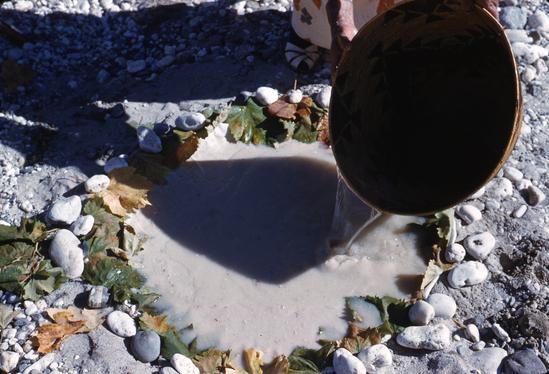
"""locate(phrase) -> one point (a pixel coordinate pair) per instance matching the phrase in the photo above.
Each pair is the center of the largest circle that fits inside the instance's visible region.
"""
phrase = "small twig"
(295, 82)
(458, 323)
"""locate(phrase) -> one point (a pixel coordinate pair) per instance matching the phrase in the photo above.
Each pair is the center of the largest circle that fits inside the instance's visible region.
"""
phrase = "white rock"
(501, 187)
(478, 346)
(148, 140)
(115, 163)
(295, 96)
(479, 193)
(444, 305)
(121, 324)
(323, 97)
(529, 74)
(83, 225)
(41, 364)
(136, 66)
(535, 195)
(520, 211)
(24, 5)
(266, 95)
(421, 313)
(8, 361)
(501, 333)
(541, 67)
(467, 274)
(183, 364)
(431, 337)
(539, 21)
(346, 363)
(192, 122)
(523, 184)
(454, 253)
(65, 210)
(469, 213)
(376, 357)
(530, 52)
(472, 332)
(511, 173)
(97, 183)
(479, 245)
(65, 251)
(518, 36)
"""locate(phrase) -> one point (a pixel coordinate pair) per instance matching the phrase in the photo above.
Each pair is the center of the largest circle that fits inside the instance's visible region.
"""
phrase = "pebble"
(117, 111)
(534, 323)
(479, 245)
(65, 251)
(454, 253)
(148, 141)
(472, 332)
(488, 360)
(443, 305)
(539, 21)
(376, 357)
(430, 337)
(136, 66)
(65, 210)
(479, 193)
(266, 95)
(168, 370)
(520, 211)
(295, 96)
(192, 122)
(511, 173)
(523, 184)
(165, 62)
(97, 183)
(469, 213)
(183, 364)
(512, 17)
(99, 297)
(467, 274)
(8, 361)
(501, 333)
(502, 187)
(324, 96)
(122, 324)
(346, 363)
(146, 346)
(524, 362)
(83, 225)
(478, 346)
(115, 163)
(421, 313)
(535, 196)
(41, 364)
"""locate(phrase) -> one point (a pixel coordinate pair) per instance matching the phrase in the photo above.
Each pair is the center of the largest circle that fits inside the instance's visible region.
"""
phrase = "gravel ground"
(157, 58)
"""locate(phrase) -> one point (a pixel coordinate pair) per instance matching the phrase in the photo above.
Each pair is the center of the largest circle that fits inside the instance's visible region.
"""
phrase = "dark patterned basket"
(426, 107)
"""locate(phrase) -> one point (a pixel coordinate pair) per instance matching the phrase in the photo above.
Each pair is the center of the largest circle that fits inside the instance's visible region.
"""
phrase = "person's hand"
(342, 24)
(489, 5)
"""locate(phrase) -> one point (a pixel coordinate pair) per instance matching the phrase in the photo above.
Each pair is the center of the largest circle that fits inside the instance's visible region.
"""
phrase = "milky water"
(237, 246)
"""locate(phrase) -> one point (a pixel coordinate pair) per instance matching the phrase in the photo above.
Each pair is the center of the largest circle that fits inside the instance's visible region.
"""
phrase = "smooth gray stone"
(65, 252)
(65, 210)
(488, 360)
(524, 362)
(146, 346)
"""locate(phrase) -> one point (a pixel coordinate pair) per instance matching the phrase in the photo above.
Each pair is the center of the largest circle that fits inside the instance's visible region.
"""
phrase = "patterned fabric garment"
(310, 21)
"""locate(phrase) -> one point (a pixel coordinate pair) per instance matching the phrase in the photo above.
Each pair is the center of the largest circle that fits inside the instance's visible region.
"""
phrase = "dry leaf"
(93, 318)
(253, 360)
(112, 201)
(283, 108)
(51, 335)
(157, 324)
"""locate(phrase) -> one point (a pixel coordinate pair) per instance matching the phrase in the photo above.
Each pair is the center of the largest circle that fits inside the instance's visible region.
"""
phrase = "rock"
(534, 323)
(518, 36)
(99, 297)
(376, 357)
(122, 325)
(455, 253)
(168, 370)
(501, 333)
(102, 76)
(8, 361)
(421, 313)
(162, 129)
(431, 337)
(192, 122)
(41, 364)
(522, 185)
(294, 96)
(535, 196)
(529, 52)
(183, 364)
(467, 274)
(83, 225)
(323, 97)
(539, 21)
(166, 61)
(24, 5)
(529, 74)
(520, 211)
(472, 332)
(479, 193)
(65, 210)
(443, 305)
(97, 183)
(65, 251)
(115, 163)
(524, 362)
(469, 213)
(512, 17)
(117, 111)
(266, 95)
(146, 346)
(346, 363)
(512, 173)
(478, 346)
(479, 245)
(502, 187)
(148, 141)
(488, 360)
(136, 66)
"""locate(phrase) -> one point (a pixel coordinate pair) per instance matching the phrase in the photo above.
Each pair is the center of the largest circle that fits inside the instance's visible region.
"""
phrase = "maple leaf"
(32, 230)
(253, 360)
(127, 191)
(151, 166)
(283, 108)
(279, 365)
(359, 339)
(321, 358)
(243, 122)
(213, 361)
(14, 75)
(6, 315)
(93, 318)
(393, 312)
(51, 335)
(179, 147)
(157, 324)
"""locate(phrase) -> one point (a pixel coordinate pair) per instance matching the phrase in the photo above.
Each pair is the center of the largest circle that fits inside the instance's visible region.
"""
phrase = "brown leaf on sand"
(127, 191)
(51, 335)
(93, 318)
(283, 108)
(14, 75)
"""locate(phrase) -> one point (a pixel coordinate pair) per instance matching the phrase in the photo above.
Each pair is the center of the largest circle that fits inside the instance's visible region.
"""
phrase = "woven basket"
(426, 107)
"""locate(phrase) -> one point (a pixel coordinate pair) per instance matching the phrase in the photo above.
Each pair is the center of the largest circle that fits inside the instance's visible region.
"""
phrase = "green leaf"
(305, 134)
(210, 362)
(394, 313)
(289, 126)
(44, 281)
(115, 274)
(15, 253)
(6, 315)
(29, 230)
(300, 365)
(129, 242)
(151, 166)
(144, 300)
(322, 357)
(172, 344)
(243, 120)
(96, 208)
(359, 339)
(10, 278)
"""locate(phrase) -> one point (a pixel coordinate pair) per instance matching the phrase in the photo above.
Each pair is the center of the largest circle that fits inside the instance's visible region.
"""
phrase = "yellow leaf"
(253, 360)
(51, 335)
(93, 318)
(157, 324)
(112, 201)
(279, 365)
